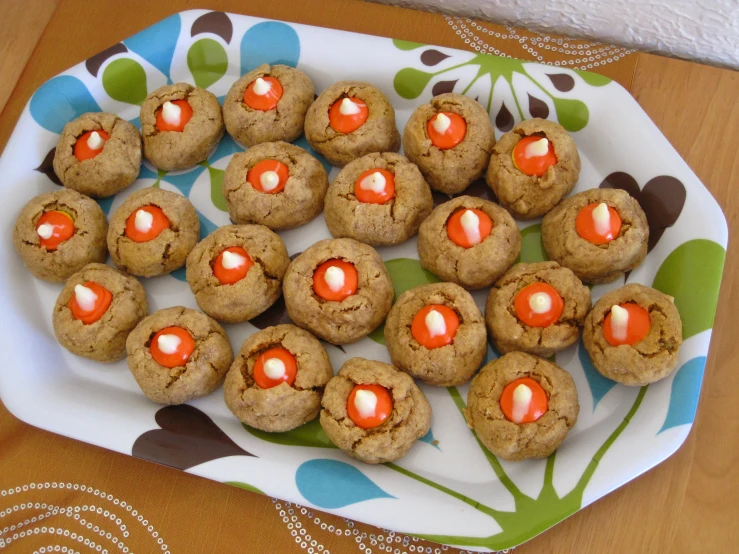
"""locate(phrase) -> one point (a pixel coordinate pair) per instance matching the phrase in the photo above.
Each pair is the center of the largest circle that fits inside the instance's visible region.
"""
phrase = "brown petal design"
(479, 189)
(276, 314)
(538, 108)
(504, 119)
(662, 199)
(623, 181)
(432, 57)
(217, 23)
(443, 87)
(94, 63)
(47, 167)
(562, 82)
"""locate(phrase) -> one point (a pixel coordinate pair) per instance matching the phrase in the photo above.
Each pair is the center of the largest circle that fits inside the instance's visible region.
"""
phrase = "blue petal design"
(599, 385)
(226, 147)
(491, 354)
(429, 438)
(184, 181)
(146, 173)
(269, 42)
(156, 44)
(206, 226)
(136, 122)
(221, 99)
(106, 203)
(59, 101)
(303, 143)
(179, 274)
(686, 387)
(332, 484)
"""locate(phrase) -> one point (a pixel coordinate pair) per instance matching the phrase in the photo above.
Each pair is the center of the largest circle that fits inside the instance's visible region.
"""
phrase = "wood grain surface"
(688, 503)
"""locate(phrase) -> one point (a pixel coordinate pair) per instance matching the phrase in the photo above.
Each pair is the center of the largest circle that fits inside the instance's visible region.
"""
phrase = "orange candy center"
(637, 326)
(586, 228)
(367, 189)
(82, 150)
(185, 115)
(275, 366)
(455, 228)
(452, 136)
(537, 406)
(347, 123)
(237, 265)
(58, 226)
(532, 299)
(323, 280)
(159, 223)
(268, 176)
(427, 333)
(268, 100)
(367, 418)
(169, 352)
(102, 303)
(532, 165)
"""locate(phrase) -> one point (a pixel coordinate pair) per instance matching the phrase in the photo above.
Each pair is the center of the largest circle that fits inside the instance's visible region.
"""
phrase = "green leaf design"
(310, 434)
(593, 79)
(410, 82)
(244, 486)
(532, 247)
(207, 61)
(216, 188)
(125, 80)
(406, 44)
(692, 275)
(572, 114)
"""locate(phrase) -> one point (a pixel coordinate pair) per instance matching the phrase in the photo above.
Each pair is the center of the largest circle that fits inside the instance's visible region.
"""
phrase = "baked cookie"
(437, 334)
(373, 412)
(338, 289)
(236, 272)
(468, 241)
(178, 354)
(276, 382)
(533, 167)
(96, 310)
(98, 154)
(599, 234)
(58, 233)
(450, 139)
(633, 335)
(268, 104)
(350, 119)
(275, 184)
(181, 125)
(537, 308)
(379, 199)
(522, 406)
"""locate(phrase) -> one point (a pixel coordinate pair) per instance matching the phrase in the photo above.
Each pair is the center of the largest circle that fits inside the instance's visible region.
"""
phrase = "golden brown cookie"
(296, 197)
(250, 126)
(447, 365)
(285, 405)
(409, 420)
(237, 296)
(366, 217)
(201, 372)
(104, 339)
(542, 332)
(165, 252)
(377, 134)
(115, 166)
(85, 246)
(174, 150)
(519, 441)
(450, 170)
(472, 266)
(338, 321)
(596, 263)
(650, 359)
(531, 196)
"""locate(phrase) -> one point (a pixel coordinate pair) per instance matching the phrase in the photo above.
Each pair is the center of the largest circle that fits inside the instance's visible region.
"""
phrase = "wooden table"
(688, 503)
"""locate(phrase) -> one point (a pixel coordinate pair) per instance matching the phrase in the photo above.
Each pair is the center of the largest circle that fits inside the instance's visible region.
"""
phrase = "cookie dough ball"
(450, 139)
(572, 236)
(633, 335)
(546, 169)
(275, 184)
(338, 289)
(181, 125)
(96, 310)
(379, 199)
(98, 154)
(468, 241)
(152, 232)
(375, 434)
(236, 272)
(437, 334)
(276, 382)
(58, 233)
(178, 354)
(350, 119)
(536, 308)
(522, 406)
(268, 104)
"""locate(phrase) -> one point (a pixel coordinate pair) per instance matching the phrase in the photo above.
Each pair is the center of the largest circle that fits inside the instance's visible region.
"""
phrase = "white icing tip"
(537, 148)
(85, 298)
(168, 344)
(95, 141)
(274, 368)
(334, 278)
(435, 323)
(365, 401)
(602, 219)
(143, 221)
(441, 123)
(540, 302)
(471, 226)
(347, 107)
(261, 87)
(375, 182)
(171, 113)
(619, 322)
(232, 260)
(269, 180)
(521, 402)
(45, 230)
